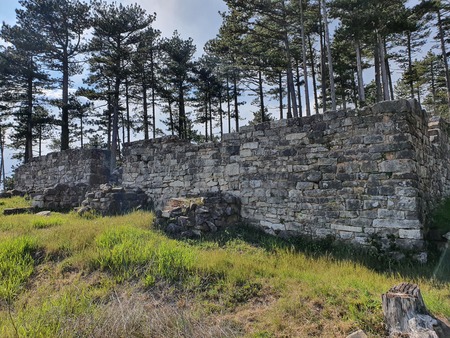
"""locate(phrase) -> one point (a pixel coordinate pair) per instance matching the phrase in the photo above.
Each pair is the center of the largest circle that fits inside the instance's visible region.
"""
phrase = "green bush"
(440, 218)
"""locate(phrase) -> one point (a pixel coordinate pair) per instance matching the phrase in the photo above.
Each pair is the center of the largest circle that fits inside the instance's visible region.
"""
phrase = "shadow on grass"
(437, 267)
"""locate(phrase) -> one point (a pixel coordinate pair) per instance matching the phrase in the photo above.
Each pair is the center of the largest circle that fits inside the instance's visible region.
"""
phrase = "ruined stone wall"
(347, 174)
(353, 175)
(70, 167)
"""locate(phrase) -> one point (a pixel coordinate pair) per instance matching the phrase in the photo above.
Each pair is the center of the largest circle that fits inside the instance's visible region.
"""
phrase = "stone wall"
(70, 167)
(354, 175)
(348, 174)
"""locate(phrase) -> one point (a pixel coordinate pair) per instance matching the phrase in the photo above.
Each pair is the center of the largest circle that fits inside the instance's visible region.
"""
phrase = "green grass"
(72, 276)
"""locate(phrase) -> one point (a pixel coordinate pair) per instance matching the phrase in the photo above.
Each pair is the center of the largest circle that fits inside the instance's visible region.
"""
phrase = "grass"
(72, 276)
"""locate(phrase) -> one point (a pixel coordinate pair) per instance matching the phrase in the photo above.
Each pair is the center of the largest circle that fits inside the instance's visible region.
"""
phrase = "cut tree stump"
(406, 315)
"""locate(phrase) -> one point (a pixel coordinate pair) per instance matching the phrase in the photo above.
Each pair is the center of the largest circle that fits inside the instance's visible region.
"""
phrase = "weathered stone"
(406, 315)
(383, 165)
(357, 334)
(44, 213)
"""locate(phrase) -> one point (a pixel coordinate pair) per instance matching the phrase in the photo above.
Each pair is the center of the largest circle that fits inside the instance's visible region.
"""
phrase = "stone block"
(410, 234)
(397, 224)
(398, 166)
(346, 228)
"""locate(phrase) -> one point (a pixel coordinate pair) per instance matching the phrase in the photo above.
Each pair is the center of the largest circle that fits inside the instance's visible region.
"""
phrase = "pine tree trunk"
(145, 112)
(377, 73)
(280, 93)
(330, 58)
(261, 96)
(228, 104)
(444, 55)
(115, 125)
(152, 65)
(127, 124)
(305, 68)
(410, 80)
(361, 93)
(65, 104)
(210, 117)
(313, 75)
(29, 115)
(236, 104)
(299, 94)
(384, 75)
(323, 70)
(221, 116)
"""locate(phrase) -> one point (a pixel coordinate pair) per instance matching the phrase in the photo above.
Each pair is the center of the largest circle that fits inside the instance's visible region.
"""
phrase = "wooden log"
(406, 315)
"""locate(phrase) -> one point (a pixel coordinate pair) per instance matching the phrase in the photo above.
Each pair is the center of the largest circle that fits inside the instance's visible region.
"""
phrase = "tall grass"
(69, 276)
(128, 252)
(16, 265)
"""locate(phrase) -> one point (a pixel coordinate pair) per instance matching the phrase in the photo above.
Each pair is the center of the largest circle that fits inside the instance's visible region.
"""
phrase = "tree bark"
(361, 93)
(384, 75)
(313, 75)
(330, 58)
(405, 313)
(29, 115)
(261, 96)
(280, 93)
(444, 55)
(305, 68)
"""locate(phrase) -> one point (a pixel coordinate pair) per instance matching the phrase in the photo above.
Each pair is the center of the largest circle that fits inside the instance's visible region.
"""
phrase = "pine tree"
(117, 29)
(177, 73)
(61, 24)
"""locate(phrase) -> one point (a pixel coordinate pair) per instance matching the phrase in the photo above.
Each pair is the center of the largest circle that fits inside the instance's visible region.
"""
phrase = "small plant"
(133, 253)
(44, 223)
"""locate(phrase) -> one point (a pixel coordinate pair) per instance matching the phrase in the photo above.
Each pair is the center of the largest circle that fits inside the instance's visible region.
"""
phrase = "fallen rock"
(44, 213)
(17, 211)
(191, 217)
(357, 334)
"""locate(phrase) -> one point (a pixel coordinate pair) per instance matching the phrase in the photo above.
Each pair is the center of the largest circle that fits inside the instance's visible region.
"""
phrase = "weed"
(44, 223)
(133, 253)
(16, 265)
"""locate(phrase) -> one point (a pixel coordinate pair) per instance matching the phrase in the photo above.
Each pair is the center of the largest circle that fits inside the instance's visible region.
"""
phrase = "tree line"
(306, 56)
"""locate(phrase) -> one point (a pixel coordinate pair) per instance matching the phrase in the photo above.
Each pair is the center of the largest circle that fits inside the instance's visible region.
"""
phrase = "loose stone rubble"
(109, 200)
(192, 217)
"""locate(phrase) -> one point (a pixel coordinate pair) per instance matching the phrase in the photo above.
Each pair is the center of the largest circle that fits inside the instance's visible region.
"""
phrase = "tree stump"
(406, 315)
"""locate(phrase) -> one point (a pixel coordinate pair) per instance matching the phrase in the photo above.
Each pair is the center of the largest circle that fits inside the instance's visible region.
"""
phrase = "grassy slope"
(67, 276)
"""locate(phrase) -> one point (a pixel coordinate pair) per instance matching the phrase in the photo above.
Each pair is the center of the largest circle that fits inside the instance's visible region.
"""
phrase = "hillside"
(69, 276)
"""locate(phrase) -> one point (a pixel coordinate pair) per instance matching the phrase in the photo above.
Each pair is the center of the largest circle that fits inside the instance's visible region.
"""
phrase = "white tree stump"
(406, 315)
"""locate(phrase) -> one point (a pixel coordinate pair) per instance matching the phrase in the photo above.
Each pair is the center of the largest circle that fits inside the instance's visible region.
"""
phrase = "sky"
(198, 19)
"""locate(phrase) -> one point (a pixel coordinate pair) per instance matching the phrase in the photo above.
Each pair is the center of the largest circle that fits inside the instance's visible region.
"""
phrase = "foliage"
(440, 218)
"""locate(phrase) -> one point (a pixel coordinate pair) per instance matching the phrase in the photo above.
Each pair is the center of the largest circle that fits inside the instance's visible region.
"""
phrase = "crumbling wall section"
(69, 167)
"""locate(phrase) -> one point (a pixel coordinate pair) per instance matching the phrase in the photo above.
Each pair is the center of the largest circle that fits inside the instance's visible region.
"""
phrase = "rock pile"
(109, 200)
(193, 216)
(60, 197)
